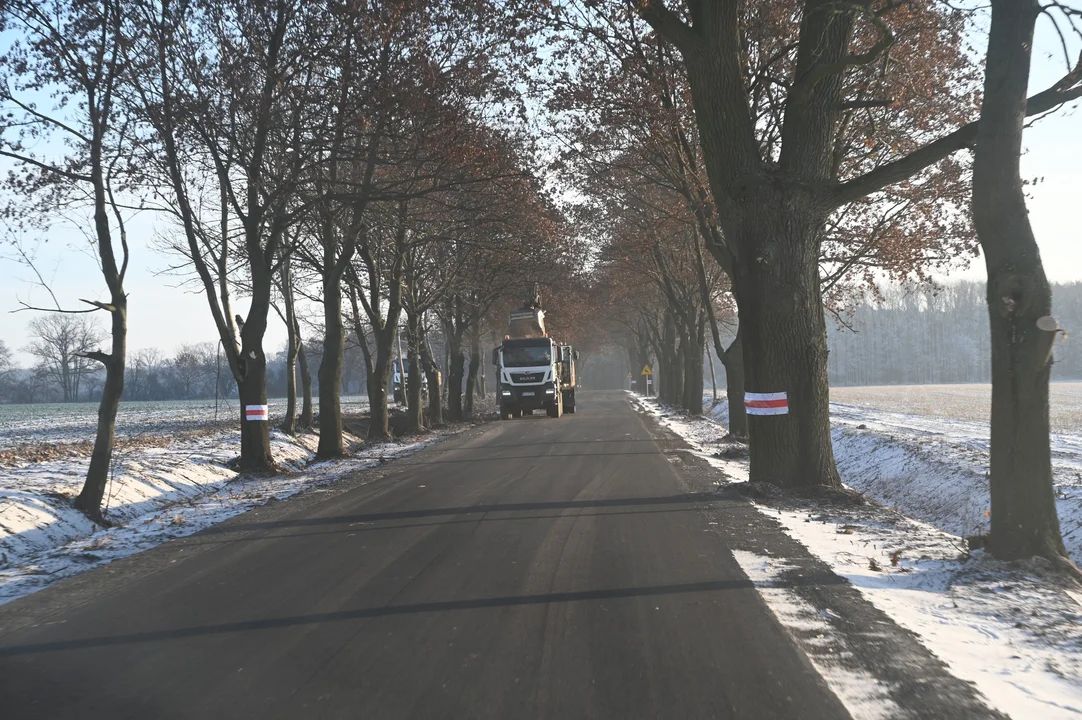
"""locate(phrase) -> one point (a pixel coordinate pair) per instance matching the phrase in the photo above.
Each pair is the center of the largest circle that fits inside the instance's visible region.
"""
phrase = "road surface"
(536, 568)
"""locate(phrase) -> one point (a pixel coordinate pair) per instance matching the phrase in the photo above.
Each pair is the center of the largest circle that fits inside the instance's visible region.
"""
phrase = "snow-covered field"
(76, 422)
(1014, 630)
(170, 478)
(960, 402)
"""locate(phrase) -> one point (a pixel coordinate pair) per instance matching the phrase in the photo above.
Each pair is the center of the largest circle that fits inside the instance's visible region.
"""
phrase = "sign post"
(648, 374)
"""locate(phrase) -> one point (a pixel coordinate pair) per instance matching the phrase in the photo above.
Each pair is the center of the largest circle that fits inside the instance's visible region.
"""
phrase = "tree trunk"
(255, 451)
(713, 381)
(432, 375)
(330, 370)
(454, 378)
(733, 360)
(784, 341)
(693, 370)
(1024, 521)
(379, 427)
(471, 379)
(289, 422)
(447, 364)
(412, 374)
(97, 476)
(482, 380)
(306, 420)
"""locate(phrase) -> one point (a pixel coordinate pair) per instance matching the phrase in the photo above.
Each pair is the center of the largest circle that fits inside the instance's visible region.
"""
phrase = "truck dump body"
(527, 323)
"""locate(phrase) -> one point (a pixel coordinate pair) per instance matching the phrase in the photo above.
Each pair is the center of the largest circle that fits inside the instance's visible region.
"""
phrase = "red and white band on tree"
(766, 403)
(256, 413)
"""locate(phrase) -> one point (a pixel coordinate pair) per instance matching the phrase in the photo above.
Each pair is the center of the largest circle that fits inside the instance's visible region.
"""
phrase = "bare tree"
(5, 359)
(227, 153)
(74, 49)
(7, 369)
(62, 344)
(777, 179)
(1024, 521)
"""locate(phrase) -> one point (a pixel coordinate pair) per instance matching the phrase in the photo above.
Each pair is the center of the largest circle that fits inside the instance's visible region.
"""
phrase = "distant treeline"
(940, 335)
(192, 371)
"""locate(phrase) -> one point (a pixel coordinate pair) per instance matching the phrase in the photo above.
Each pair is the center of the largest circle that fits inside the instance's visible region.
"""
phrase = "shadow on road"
(394, 610)
(689, 498)
(505, 458)
(352, 528)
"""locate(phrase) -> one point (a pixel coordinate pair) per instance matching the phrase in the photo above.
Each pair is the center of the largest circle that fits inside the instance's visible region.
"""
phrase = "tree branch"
(1065, 90)
(103, 358)
(46, 166)
(886, 39)
(98, 305)
(667, 24)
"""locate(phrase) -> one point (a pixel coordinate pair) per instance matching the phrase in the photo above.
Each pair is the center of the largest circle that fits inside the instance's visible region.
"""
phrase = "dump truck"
(535, 372)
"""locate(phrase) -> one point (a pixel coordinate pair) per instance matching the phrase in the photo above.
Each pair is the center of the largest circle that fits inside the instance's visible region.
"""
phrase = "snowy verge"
(156, 493)
(1012, 630)
(862, 695)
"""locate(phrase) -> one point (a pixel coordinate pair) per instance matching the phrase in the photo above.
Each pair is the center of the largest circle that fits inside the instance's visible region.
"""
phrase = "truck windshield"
(527, 356)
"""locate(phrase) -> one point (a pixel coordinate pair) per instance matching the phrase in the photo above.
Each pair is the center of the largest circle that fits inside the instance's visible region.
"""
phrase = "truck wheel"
(555, 408)
(569, 403)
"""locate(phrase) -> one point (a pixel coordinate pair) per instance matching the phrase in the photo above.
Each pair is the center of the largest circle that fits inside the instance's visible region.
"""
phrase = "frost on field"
(960, 402)
(171, 476)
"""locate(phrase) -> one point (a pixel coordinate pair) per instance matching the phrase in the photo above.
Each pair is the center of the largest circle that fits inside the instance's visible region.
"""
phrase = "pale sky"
(164, 315)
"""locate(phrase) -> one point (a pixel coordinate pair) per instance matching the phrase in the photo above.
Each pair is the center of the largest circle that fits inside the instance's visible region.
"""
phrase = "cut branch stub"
(99, 305)
(103, 358)
(1049, 329)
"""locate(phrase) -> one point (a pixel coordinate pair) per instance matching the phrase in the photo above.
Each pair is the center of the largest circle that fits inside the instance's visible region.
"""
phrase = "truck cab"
(535, 373)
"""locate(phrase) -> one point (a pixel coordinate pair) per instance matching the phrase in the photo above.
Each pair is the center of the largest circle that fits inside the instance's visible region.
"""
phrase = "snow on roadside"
(862, 695)
(156, 493)
(1009, 629)
(933, 468)
(1014, 630)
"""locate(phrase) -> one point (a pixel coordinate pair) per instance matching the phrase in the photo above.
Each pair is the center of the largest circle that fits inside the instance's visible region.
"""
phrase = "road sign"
(646, 370)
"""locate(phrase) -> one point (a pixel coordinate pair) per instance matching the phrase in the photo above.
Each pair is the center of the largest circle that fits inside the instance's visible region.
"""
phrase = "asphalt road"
(537, 568)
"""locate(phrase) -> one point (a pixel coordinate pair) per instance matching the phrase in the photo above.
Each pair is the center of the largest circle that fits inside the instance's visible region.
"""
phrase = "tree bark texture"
(97, 477)
(1023, 513)
(694, 348)
(412, 375)
(330, 369)
(289, 422)
(379, 380)
(784, 342)
(432, 377)
(733, 360)
(254, 434)
(307, 415)
(457, 372)
(471, 378)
